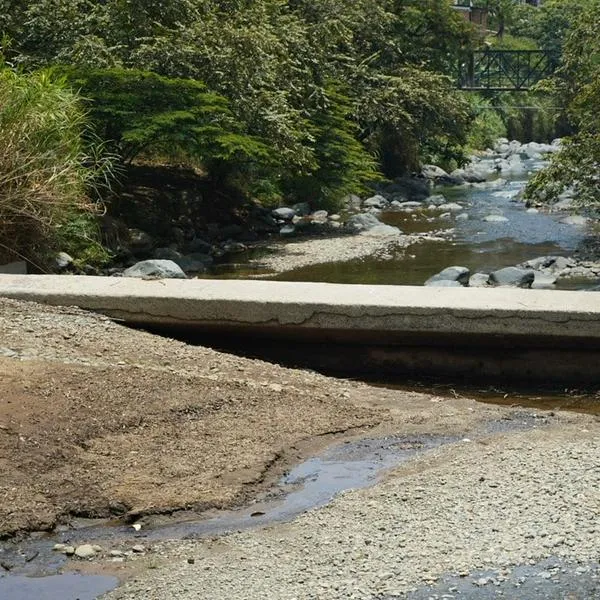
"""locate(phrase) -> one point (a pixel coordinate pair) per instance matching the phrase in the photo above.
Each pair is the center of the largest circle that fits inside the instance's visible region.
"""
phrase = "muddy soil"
(98, 420)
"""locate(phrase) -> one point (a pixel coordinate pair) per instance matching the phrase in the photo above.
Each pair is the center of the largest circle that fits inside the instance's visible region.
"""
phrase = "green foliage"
(144, 113)
(343, 164)
(486, 127)
(265, 117)
(577, 86)
(46, 169)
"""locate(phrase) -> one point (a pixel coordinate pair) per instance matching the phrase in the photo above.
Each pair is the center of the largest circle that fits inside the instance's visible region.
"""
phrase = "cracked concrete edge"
(319, 306)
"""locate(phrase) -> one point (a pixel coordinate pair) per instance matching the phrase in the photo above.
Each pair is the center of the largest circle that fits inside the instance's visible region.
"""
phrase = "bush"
(46, 169)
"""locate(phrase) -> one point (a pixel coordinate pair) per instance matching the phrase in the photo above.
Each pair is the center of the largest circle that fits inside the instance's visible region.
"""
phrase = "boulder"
(320, 216)
(284, 213)
(85, 551)
(543, 280)
(63, 260)
(381, 230)
(512, 277)
(479, 280)
(495, 219)
(362, 222)
(376, 201)
(451, 207)
(287, 230)
(437, 199)
(458, 274)
(155, 269)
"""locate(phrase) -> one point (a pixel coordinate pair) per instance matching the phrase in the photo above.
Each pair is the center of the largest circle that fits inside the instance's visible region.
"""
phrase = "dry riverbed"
(97, 420)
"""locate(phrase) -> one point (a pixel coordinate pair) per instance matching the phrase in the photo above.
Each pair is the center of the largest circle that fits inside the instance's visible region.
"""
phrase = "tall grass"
(46, 168)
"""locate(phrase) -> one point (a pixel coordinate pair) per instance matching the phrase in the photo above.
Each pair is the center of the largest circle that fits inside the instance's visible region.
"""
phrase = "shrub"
(46, 168)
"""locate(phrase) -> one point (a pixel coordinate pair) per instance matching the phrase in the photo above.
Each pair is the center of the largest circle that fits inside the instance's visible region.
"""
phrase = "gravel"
(508, 500)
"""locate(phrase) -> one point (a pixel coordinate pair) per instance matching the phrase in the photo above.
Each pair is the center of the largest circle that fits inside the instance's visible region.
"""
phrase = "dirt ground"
(99, 420)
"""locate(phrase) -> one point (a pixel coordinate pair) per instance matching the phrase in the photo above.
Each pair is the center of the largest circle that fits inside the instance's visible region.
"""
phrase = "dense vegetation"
(302, 100)
(576, 86)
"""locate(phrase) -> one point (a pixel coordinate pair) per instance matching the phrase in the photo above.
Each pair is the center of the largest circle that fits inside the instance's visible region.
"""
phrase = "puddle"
(56, 587)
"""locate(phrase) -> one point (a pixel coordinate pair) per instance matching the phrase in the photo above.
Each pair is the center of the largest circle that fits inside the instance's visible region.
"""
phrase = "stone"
(451, 207)
(166, 254)
(543, 280)
(287, 230)
(320, 216)
(409, 204)
(479, 280)
(85, 551)
(495, 219)
(63, 260)
(284, 213)
(376, 201)
(512, 277)
(532, 211)
(462, 217)
(138, 548)
(155, 269)
(458, 274)
(140, 242)
(437, 200)
(381, 230)
(362, 222)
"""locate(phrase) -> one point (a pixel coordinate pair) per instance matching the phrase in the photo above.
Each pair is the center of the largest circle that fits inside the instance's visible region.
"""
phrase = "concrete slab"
(201, 302)
(410, 328)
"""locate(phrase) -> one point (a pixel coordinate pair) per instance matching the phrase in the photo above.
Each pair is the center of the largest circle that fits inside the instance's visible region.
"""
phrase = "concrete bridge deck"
(530, 334)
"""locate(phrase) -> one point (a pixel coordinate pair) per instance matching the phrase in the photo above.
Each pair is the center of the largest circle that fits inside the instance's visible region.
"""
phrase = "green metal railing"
(504, 70)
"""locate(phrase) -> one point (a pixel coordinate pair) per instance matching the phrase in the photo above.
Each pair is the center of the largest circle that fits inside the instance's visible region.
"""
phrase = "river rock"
(320, 216)
(451, 207)
(285, 213)
(287, 230)
(85, 551)
(409, 205)
(458, 274)
(155, 269)
(479, 280)
(512, 277)
(462, 217)
(381, 230)
(543, 280)
(437, 200)
(377, 201)
(63, 260)
(362, 222)
(495, 219)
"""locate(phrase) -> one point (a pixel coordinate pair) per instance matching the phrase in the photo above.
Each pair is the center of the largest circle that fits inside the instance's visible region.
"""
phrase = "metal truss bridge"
(504, 70)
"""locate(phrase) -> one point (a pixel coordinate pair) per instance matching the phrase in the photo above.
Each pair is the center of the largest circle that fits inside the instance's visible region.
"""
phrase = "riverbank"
(93, 426)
